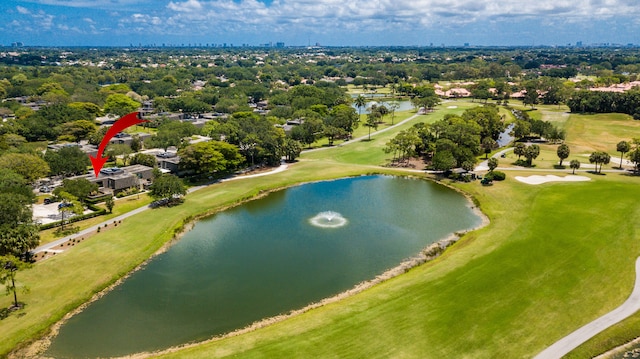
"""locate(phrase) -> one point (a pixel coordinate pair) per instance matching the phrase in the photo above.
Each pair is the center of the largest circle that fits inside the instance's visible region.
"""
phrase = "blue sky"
(328, 22)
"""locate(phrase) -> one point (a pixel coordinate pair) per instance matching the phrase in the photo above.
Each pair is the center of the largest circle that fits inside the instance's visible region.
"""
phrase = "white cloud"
(22, 10)
(210, 17)
(187, 6)
(384, 14)
(97, 4)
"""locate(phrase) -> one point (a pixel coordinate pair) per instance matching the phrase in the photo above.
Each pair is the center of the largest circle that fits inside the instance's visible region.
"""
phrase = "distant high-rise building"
(579, 44)
(279, 44)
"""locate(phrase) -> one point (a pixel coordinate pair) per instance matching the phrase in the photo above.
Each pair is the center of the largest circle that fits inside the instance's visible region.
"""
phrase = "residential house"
(168, 161)
(116, 179)
(126, 139)
(90, 150)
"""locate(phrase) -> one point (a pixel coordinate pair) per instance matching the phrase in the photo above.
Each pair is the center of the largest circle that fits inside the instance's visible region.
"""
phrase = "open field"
(353, 89)
(554, 257)
(587, 133)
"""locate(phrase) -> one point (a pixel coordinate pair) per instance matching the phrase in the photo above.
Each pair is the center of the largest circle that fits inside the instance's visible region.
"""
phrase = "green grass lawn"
(600, 132)
(585, 134)
(554, 257)
(549, 263)
(353, 89)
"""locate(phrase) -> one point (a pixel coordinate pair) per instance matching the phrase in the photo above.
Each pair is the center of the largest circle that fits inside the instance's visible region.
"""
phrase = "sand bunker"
(551, 178)
(452, 106)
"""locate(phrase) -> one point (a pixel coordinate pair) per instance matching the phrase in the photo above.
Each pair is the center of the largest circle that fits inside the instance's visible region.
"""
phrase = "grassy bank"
(62, 283)
(545, 266)
(555, 257)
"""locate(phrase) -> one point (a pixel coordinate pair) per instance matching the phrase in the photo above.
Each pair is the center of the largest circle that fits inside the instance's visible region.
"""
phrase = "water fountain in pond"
(328, 219)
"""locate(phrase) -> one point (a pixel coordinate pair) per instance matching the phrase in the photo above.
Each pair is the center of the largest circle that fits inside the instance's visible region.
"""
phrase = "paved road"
(365, 137)
(50, 245)
(573, 340)
(484, 166)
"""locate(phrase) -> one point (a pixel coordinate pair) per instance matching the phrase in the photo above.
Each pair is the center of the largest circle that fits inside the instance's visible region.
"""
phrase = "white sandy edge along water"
(537, 179)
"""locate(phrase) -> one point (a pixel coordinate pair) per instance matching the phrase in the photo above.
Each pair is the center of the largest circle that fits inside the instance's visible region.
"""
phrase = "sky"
(326, 22)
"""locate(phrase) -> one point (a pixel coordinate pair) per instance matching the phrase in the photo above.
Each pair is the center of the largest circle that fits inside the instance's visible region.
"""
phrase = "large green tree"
(44, 124)
(167, 187)
(67, 161)
(489, 119)
(30, 167)
(210, 157)
(76, 131)
(291, 149)
(404, 145)
(245, 128)
(519, 149)
(344, 117)
(120, 105)
(79, 187)
(443, 161)
(13, 183)
(173, 133)
(18, 232)
(144, 159)
(309, 131)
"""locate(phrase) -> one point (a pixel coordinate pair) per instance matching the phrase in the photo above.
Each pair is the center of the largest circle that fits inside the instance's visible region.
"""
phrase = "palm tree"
(360, 103)
(623, 147)
(574, 164)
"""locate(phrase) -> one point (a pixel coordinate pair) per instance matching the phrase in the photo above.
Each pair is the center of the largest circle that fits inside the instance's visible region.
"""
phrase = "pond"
(403, 105)
(263, 258)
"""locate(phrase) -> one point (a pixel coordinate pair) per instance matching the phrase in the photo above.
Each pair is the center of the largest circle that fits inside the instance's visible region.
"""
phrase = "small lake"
(403, 105)
(264, 258)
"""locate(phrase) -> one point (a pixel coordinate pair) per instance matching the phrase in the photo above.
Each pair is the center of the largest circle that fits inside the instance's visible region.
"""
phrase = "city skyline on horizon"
(421, 23)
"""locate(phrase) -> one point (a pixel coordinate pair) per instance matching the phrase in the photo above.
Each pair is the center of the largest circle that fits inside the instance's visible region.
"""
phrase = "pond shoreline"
(434, 250)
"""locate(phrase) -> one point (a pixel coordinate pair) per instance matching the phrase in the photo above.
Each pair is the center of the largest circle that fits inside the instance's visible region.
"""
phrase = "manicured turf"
(588, 133)
(549, 263)
(555, 257)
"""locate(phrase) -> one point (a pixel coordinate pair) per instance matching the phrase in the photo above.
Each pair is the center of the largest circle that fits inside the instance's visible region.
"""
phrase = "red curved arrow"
(125, 121)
